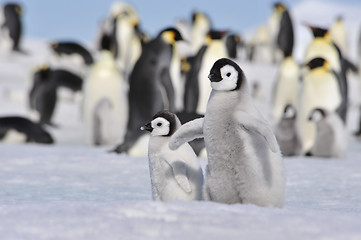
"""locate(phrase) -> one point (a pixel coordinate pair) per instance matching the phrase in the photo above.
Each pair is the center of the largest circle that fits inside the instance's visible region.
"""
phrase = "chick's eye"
(159, 124)
(228, 74)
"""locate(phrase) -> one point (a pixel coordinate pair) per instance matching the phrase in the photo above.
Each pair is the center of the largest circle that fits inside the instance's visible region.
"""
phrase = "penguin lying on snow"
(72, 48)
(23, 130)
(150, 85)
(244, 159)
(331, 136)
(11, 27)
(175, 175)
(287, 133)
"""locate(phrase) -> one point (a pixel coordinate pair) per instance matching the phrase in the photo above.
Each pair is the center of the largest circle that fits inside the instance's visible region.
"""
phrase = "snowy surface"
(73, 191)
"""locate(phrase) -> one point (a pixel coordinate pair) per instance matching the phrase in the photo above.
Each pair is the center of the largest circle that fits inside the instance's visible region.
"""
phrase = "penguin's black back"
(232, 42)
(13, 23)
(191, 91)
(285, 37)
(64, 78)
(43, 95)
(34, 131)
(73, 48)
(148, 81)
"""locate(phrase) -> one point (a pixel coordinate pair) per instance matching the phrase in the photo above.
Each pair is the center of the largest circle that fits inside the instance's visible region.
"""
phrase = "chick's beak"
(147, 127)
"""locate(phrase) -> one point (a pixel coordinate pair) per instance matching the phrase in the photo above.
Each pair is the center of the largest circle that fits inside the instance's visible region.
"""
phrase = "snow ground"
(73, 191)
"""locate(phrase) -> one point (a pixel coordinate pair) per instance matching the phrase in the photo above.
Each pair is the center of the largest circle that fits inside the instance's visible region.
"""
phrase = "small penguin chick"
(175, 175)
(331, 134)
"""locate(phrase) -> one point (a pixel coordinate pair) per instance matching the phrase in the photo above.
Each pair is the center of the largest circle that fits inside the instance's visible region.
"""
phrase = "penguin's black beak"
(213, 77)
(147, 127)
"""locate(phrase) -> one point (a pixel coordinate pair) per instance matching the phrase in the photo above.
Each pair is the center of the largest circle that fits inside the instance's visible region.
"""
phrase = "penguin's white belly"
(287, 89)
(164, 185)
(106, 85)
(13, 136)
(177, 82)
(318, 92)
(6, 42)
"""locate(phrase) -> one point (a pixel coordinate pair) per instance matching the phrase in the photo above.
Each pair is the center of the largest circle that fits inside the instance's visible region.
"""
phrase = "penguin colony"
(189, 73)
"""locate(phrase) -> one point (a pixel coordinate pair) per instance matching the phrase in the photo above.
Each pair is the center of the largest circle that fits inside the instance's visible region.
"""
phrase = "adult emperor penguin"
(15, 129)
(280, 32)
(69, 48)
(339, 35)
(126, 41)
(175, 175)
(322, 46)
(150, 86)
(10, 27)
(233, 43)
(197, 88)
(105, 103)
(331, 137)
(43, 95)
(201, 25)
(287, 132)
(286, 88)
(244, 159)
(320, 89)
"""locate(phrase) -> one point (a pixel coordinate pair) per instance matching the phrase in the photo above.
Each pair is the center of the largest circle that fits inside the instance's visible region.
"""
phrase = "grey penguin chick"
(331, 134)
(244, 160)
(287, 133)
(175, 175)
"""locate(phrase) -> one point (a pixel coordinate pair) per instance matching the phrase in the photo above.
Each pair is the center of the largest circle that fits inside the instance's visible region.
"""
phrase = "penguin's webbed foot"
(119, 149)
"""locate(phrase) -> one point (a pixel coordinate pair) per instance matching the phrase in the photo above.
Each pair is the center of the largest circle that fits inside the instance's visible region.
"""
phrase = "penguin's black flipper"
(348, 65)
(342, 82)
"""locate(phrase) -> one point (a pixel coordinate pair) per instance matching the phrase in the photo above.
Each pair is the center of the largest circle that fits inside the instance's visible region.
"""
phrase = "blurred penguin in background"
(233, 44)
(358, 132)
(126, 36)
(14, 129)
(71, 56)
(11, 27)
(331, 136)
(287, 132)
(197, 87)
(280, 30)
(322, 46)
(258, 48)
(150, 89)
(105, 103)
(201, 25)
(72, 50)
(286, 89)
(339, 35)
(43, 96)
(320, 89)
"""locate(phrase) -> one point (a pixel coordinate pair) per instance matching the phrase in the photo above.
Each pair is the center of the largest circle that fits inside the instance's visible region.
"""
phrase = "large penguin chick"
(186, 178)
